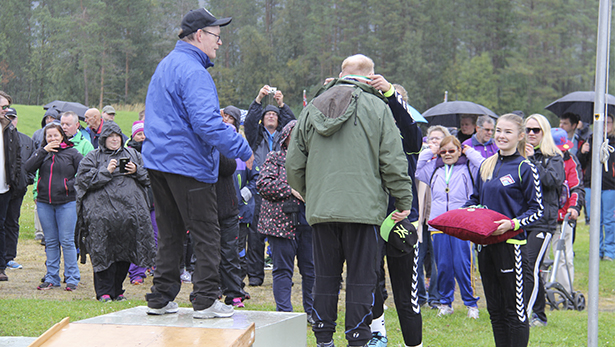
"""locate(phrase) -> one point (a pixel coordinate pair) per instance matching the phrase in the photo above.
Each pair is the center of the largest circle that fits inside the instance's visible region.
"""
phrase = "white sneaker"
(445, 310)
(216, 310)
(473, 312)
(186, 277)
(171, 307)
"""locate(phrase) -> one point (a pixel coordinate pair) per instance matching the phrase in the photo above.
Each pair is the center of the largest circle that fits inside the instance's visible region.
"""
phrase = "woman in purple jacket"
(451, 176)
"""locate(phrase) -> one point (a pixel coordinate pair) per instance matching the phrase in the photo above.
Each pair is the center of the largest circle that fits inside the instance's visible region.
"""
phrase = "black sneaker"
(3, 276)
(45, 286)
(70, 287)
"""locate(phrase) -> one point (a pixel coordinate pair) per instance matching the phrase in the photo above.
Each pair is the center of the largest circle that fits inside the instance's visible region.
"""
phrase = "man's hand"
(379, 82)
(279, 97)
(574, 214)
(262, 93)
(504, 226)
(398, 216)
(250, 162)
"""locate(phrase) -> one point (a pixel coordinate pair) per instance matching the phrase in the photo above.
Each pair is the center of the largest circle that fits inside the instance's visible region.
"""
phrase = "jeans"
(283, 253)
(59, 221)
(607, 224)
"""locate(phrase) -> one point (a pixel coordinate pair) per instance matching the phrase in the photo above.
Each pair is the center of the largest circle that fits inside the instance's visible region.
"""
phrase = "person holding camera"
(262, 127)
(113, 223)
(283, 221)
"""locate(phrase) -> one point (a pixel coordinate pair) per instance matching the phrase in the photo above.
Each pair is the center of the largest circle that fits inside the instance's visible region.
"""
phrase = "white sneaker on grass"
(473, 312)
(216, 310)
(171, 307)
(445, 310)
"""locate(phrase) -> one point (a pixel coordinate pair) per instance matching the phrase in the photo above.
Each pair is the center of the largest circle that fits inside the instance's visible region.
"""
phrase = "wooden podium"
(66, 334)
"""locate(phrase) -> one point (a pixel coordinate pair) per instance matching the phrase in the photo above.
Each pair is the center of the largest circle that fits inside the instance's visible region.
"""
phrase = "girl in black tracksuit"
(509, 184)
(549, 162)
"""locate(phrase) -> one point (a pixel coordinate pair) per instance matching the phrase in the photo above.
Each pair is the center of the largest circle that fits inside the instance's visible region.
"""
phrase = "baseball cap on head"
(199, 19)
(108, 109)
(560, 137)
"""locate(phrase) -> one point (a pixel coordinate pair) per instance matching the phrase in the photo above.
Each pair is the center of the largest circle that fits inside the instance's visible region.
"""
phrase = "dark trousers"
(230, 270)
(256, 247)
(356, 244)
(11, 224)
(242, 250)
(110, 281)
(502, 267)
(183, 203)
(283, 253)
(404, 281)
(537, 247)
(4, 206)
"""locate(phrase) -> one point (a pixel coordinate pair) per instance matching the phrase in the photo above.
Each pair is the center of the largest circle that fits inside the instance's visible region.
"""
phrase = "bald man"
(354, 150)
(95, 123)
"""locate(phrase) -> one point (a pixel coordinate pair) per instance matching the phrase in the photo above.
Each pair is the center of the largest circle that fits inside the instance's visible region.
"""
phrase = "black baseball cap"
(199, 19)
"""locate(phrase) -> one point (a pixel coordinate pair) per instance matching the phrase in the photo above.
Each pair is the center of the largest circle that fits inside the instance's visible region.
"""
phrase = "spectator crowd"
(199, 194)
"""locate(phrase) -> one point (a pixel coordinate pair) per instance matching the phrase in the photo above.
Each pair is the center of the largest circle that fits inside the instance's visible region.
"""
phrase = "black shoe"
(255, 283)
(3, 276)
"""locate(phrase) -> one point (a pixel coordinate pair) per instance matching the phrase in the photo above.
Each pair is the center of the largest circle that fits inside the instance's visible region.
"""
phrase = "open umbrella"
(449, 113)
(580, 103)
(65, 106)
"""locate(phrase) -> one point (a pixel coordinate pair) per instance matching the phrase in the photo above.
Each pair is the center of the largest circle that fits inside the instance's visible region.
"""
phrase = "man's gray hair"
(484, 119)
(71, 114)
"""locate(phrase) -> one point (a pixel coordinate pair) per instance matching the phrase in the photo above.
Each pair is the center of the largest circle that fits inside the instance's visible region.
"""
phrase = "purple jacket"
(460, 185)
(486, 149)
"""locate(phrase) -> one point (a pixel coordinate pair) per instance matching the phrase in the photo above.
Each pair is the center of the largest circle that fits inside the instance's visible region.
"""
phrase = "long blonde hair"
(486, 170)
(547, 146)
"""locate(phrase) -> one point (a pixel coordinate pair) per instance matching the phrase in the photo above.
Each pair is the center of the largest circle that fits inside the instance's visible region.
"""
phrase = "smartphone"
(123, 162)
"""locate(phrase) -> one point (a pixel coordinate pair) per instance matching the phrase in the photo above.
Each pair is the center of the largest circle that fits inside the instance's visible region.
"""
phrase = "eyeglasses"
(435, 138)
(534, 130)
(489, 130)
(4, 107)
(219, 39)
(450, 151)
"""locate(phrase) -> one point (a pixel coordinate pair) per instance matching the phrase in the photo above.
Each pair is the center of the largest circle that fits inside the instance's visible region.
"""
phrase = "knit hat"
(136, 127)
(560, 137)
(235, 113)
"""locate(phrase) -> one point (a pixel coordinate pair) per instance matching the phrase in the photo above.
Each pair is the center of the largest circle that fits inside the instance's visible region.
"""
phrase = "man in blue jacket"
(184, 134)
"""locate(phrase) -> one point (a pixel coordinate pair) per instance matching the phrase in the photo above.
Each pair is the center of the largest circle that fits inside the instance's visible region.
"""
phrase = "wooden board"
(64, 334)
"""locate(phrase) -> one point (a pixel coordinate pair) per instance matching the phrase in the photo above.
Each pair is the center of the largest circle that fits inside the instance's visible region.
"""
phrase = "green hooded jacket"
(345, 156)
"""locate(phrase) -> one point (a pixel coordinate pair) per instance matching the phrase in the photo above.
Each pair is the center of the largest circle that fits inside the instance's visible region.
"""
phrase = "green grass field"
(26, 316)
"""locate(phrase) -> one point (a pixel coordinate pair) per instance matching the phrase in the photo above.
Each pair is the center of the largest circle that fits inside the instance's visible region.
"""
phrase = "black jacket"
(257, 135)
(56, 175)
(608, 176)
(12, 154)
(225, 189)
(27, 150)
(552, 177)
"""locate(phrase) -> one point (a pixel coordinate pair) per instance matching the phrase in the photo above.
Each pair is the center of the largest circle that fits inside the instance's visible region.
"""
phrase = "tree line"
(505, 54)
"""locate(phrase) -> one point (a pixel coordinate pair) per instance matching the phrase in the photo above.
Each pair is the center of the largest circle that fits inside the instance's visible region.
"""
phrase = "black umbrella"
(65, 106)
(449, 113)
(580, 103)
